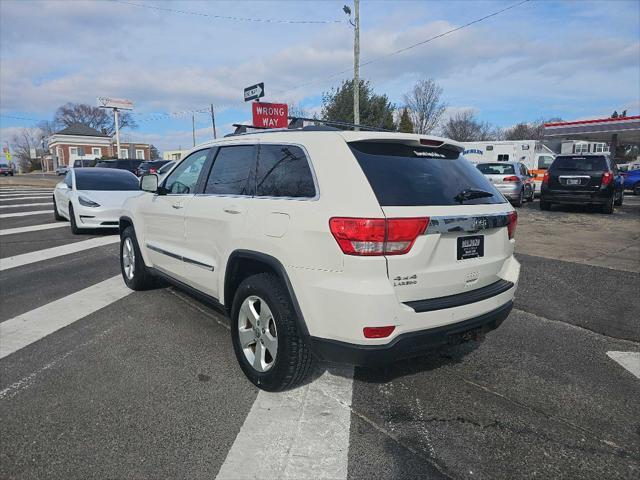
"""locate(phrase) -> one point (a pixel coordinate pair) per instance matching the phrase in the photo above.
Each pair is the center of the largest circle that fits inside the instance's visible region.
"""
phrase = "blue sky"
(545, 58)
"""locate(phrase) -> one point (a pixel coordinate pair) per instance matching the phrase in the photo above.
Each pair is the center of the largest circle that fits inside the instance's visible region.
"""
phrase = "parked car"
(512, 179)
(150, 167)
(355, 247)
(129, 164)
(632, 181)
(582, 179)
(89, 162)
(62, 170)
(93, 197)
(6, 169)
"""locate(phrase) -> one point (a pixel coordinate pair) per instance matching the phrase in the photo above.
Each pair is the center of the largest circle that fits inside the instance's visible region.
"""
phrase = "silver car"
(512, 179)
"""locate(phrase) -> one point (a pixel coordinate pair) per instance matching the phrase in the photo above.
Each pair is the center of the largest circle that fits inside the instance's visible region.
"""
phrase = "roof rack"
(297, 123)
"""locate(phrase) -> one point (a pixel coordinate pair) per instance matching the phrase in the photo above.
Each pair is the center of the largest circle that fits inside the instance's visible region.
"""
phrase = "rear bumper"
(600, 197)
(511, 191)
(410, 344)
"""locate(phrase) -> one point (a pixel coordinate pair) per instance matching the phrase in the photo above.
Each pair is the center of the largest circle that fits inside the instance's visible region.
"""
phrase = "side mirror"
(149, 183)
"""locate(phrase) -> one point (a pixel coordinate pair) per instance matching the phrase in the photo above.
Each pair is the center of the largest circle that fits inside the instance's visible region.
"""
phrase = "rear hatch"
(466, 242)
(499, 173)
(577, 174)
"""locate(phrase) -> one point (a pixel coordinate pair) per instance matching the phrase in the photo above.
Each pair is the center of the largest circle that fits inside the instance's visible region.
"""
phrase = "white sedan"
(93, 197)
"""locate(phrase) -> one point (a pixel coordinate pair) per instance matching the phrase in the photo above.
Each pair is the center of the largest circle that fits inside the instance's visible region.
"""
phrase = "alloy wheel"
(257, 333)
(128, 258)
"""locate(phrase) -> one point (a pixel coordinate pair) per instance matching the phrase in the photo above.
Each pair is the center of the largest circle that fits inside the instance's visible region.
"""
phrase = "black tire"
(545, 205)
(607, 208)
(618, 202)
(56, 215)
(636, 189)
(141, 278)
(293, 361)
(72, 220)
(520, 200)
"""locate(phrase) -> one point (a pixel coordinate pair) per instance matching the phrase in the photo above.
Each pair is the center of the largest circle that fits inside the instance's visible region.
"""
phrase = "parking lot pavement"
(148, 385)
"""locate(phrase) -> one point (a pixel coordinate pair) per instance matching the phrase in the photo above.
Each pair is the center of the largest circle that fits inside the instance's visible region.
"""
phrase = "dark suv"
(150, 167)
(121, 163)
(582, 180)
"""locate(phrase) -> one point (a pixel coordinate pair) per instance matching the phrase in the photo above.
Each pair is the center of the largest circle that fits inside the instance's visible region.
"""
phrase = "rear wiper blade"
(470, 194)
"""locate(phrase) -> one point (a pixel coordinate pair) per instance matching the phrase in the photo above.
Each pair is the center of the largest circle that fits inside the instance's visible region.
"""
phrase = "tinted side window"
(115, 180)
(283, 171)
(231, 171)
(183, 179)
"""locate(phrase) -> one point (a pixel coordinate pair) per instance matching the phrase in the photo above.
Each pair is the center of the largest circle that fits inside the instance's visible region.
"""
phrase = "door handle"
(177, 206)
(233, 210)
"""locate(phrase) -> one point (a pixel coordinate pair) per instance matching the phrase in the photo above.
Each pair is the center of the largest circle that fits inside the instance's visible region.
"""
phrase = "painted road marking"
(25, 198)
(628, 360)
(306, 432)
(25, 214)
(9, 196)
(48, 253)
(23, 330)
(25, 205)
(33, 228)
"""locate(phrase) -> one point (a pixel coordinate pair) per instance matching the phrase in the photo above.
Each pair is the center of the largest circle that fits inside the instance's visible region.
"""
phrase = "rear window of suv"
(578, 163)
(496, 169)
(404, 175)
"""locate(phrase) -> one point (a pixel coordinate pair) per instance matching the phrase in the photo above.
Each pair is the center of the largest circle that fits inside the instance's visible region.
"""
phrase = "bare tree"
(528, 131)
(425, 107)
(464, 127)
(99, 118)
(22, 144)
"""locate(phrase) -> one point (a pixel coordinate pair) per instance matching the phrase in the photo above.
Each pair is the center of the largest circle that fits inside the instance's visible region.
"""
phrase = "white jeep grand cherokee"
(355, 247)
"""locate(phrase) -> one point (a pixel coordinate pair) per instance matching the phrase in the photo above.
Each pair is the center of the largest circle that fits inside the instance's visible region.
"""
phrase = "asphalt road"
(148, 386)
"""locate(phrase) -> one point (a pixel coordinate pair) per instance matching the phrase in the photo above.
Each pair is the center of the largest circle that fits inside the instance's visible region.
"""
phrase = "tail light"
(607, 178)
(511, 178)
(152, 170)
(513, 223)
(378, 332)
(377, 236)
(545, 179)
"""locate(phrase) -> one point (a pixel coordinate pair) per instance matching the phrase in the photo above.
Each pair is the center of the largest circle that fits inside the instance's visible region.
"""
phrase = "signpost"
(254, 92)
(270, 115)
(115, 104)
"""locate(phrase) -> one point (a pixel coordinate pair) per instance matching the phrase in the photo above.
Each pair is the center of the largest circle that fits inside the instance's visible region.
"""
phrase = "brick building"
(80, 142)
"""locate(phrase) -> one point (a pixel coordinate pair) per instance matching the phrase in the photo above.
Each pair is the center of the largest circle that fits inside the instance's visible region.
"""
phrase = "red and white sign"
(270, 115)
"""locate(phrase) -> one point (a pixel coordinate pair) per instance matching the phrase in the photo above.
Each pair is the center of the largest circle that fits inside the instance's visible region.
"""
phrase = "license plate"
(470, 247)
(573, 181)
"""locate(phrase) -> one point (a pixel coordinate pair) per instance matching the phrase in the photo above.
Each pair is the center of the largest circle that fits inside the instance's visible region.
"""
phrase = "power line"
(409, 47)
(20, 118)
(226, 17)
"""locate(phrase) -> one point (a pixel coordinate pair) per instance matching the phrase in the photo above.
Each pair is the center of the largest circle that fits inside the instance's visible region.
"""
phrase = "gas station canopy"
(621, 130)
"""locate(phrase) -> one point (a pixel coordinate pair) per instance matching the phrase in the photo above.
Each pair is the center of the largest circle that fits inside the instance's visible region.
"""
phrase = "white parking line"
(306, 432)
(25, 205)
(628, 360)
(7, 196)
(23, 330)
(25, 214)
(48, 253)
(25, 198)
(32, 228)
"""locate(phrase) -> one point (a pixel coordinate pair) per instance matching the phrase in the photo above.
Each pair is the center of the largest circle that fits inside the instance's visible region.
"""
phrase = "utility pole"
(117, 122)
(356, 65)
(193, 128)
(356, 59)
(213, 122)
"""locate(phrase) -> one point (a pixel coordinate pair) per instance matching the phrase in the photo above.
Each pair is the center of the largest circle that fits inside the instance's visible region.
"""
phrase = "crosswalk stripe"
(48, 253)
(33, 228)
(25, 198)
(306, 430)
(628, 360)
(25, 205)
(25, 214)
(23, 330)
(7, 196)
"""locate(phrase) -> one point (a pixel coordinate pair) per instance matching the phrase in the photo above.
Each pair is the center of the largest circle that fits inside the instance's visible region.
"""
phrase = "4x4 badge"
(480, 223)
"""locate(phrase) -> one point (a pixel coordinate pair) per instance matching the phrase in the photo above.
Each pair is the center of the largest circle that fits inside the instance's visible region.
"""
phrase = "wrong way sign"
(270, 115)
